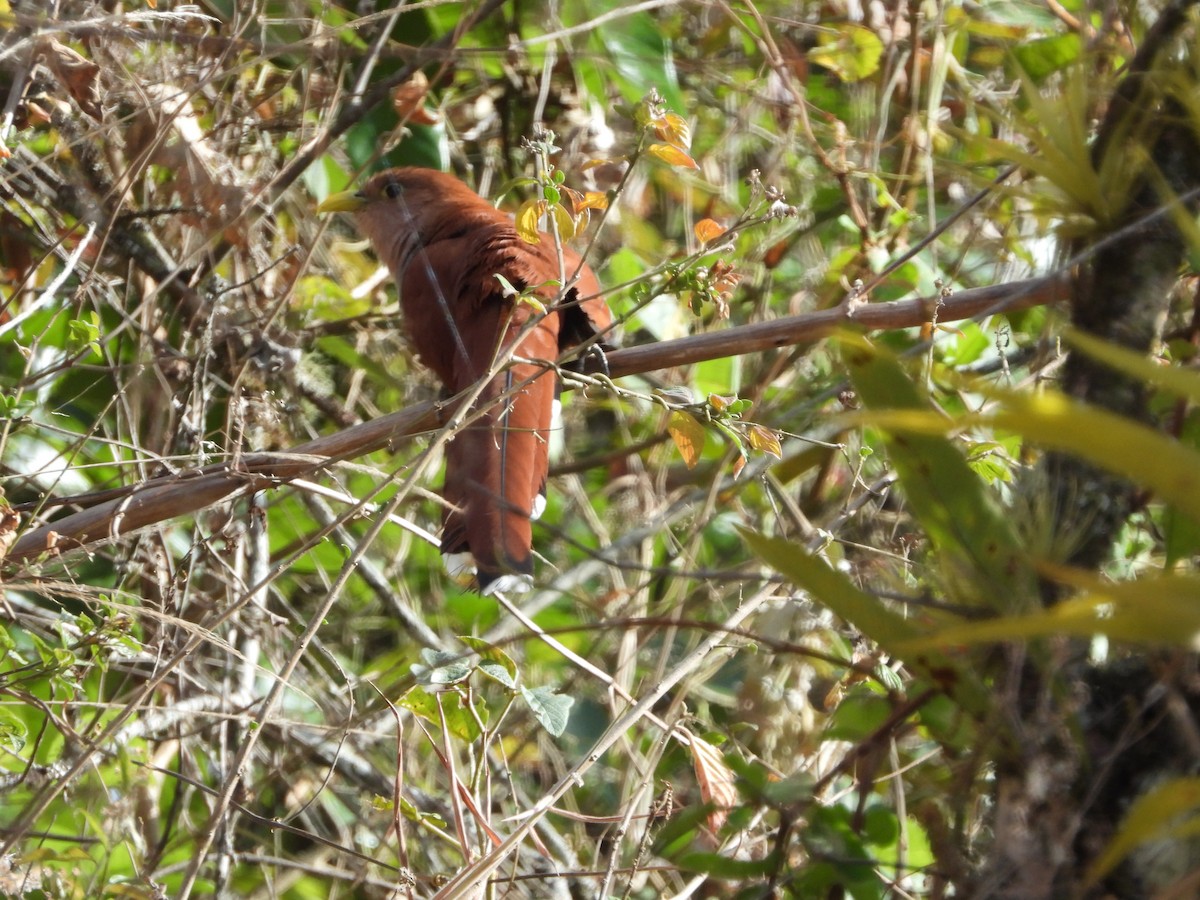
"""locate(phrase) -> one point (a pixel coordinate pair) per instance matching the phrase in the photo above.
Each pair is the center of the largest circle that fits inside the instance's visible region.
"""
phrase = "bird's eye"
(393, 189)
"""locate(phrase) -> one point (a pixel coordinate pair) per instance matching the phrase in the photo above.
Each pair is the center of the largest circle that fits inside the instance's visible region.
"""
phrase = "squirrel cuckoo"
(444, 245)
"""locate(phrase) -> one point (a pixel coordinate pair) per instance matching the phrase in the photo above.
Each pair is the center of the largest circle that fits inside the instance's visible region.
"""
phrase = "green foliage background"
(284, 695)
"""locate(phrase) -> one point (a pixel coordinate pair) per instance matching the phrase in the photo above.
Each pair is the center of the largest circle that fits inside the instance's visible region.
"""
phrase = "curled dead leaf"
(408, 99)
(715, 779)
(9, 521)
(75, 72)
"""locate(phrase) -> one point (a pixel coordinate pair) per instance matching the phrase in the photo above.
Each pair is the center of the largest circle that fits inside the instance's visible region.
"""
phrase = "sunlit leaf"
(689, 436)
(493, 661)
(327, 299)
(851, 51)
(715, 779)
(765, 440)
(527, 220)
(433, 708)
(708, 230)
(1139, 453)
(868, 614)
(672, 155)
(1159, 814)
(1182, 382)
(974, 536)
(441, 667)
(566, 224)
(719, 403)
(551, 709)
(1161, 610)
(602, 161)
(674, 129)
(595, 200)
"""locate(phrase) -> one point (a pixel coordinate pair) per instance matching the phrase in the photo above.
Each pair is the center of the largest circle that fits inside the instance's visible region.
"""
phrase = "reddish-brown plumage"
(444, 245)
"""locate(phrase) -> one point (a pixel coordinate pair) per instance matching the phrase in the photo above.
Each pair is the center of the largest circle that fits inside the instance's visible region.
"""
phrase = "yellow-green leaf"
(327, 299)
(1182, 382)
(868, 614)
(528, 217)
(1156, 815)
(1141, 454)
(450, 704)
(963, 518)
(1160, 611)
(688, 434)
(566, 225)
(851, 51)
(764, 440)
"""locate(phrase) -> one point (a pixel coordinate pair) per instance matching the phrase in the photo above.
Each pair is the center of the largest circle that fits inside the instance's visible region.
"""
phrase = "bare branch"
(160, 499)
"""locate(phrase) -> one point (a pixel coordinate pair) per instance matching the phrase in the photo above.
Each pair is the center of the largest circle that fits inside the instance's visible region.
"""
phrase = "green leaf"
(328, 299)
(84, 333)
(868, 614)
(962, 517)
(325, 177)
(441, 667)
(1045, 56)
(432, 707)
(641, 56)
(1162, 611)
(1156, 815)
(1139, 453)
(859, 715)
(850, 51)
(1183, 383)
(551, 709)
(493, 662)
(13, 733)
(728, 868)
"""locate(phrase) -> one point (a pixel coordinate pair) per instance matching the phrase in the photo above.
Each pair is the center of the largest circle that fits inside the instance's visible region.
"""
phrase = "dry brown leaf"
(408, 100)
(715, 779)
(9, 521)
(75, 72)
(15, 257)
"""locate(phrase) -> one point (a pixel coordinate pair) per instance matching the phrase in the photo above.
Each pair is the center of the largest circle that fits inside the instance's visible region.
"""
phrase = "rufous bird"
(445, 245)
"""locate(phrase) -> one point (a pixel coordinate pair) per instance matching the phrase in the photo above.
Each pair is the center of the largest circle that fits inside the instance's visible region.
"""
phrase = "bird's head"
(399, 205)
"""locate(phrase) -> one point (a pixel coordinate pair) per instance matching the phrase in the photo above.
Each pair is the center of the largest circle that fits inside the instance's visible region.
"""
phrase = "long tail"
(495, 475)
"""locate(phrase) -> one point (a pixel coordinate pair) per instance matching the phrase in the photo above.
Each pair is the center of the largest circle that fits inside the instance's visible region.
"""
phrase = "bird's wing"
(496, 465)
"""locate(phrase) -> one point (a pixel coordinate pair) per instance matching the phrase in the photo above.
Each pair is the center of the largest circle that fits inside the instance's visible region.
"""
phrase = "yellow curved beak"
(346, 201)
